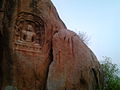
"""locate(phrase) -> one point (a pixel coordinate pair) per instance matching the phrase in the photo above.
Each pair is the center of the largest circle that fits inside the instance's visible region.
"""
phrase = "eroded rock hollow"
(38, 52)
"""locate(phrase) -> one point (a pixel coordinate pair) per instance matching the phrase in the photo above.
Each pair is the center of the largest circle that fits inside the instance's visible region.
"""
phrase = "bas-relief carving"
(28, 33)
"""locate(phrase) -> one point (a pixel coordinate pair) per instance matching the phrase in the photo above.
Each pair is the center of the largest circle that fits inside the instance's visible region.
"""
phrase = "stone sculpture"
(38, 52)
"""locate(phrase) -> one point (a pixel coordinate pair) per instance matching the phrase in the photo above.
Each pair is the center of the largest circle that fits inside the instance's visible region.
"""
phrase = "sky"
(100, 19)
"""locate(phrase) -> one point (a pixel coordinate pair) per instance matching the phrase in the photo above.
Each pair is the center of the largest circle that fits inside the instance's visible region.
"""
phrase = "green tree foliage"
(110, 75)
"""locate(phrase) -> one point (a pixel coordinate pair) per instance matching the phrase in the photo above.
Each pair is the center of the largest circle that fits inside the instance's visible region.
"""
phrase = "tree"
(84, 37)
(110, 75)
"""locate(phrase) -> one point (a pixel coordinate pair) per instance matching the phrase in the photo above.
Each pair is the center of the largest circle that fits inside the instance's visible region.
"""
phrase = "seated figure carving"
(28, 34)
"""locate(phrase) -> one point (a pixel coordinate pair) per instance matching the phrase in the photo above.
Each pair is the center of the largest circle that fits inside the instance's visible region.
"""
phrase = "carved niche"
(28, 33)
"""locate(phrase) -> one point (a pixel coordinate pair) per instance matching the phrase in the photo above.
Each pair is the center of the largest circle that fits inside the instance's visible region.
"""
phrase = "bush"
(110, 75)
(84, 37)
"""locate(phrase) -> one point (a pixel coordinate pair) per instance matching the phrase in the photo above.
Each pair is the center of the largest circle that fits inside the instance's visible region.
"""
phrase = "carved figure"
(28, 35)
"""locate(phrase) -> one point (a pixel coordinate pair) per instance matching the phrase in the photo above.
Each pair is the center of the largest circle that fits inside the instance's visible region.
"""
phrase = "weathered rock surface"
(74, 66)
(37, 52)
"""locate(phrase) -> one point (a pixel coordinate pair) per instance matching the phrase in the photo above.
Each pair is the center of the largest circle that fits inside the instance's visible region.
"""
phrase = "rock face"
(38, 52)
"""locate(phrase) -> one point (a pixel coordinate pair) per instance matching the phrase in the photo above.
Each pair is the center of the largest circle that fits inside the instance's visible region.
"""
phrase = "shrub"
(110, 75)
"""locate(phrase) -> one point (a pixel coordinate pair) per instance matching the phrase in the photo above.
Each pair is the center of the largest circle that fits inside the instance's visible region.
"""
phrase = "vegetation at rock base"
(110, 75)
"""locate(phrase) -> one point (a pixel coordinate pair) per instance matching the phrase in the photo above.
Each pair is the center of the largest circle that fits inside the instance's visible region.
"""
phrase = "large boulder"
(38, 52)
(74, 66)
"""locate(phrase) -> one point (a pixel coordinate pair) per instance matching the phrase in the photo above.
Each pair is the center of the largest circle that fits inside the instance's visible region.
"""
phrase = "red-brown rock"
(37, 52)
(74, 66)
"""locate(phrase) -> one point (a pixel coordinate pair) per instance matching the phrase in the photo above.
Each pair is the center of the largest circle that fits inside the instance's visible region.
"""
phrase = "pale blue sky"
(99, 18)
